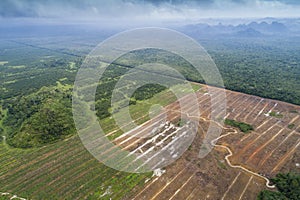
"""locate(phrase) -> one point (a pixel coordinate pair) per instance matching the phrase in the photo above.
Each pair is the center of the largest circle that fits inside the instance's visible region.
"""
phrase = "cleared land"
(66, 170)
(241, 163)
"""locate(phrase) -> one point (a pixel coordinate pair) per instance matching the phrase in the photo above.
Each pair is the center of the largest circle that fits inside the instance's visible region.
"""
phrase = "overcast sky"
(143, 10)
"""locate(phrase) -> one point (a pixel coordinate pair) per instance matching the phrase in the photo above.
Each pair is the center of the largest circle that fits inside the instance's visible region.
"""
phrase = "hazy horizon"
(143, 12)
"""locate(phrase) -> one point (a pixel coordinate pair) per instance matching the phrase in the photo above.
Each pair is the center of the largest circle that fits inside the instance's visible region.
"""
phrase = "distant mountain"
(249, 32)
(253, 29)
(274, 27)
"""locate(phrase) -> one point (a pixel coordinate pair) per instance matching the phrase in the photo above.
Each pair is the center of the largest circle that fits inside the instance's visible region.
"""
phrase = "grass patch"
(245, 128)
(3, 62)
(72, 65)
(291, 126)
(10, 82)
(221, 164)
(196, 87)
(181, 122)
(276, 114)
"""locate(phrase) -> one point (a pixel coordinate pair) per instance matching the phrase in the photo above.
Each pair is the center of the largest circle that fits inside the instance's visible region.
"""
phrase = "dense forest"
(267, 67)
(288, 186)
(39, 118)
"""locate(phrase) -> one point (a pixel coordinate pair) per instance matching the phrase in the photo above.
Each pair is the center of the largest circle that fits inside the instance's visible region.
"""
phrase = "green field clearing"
(3, 62)
(67, 170)
(18, 67)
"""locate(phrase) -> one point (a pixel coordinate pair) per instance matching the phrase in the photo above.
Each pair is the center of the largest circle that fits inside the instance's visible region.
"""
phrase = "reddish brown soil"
(271, 148)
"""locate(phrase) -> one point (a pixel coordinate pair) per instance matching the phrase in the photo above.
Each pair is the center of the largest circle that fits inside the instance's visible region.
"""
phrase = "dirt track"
(240, 164)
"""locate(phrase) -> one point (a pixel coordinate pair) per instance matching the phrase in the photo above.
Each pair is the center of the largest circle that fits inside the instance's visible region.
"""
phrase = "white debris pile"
(13, 197)
(107, 192)
(147, 180)
(159, 172)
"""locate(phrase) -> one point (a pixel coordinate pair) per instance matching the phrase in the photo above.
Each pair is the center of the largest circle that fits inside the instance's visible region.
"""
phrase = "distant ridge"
(274, 27)
(250, 32)
(253, 29)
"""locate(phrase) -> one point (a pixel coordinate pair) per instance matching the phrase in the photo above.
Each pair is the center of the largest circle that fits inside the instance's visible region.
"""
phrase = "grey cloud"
(180, 2)
(129, 8)
(17, 9)
(291, 2)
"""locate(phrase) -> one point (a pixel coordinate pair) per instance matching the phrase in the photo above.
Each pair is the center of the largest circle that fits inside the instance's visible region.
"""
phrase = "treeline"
(252, 67)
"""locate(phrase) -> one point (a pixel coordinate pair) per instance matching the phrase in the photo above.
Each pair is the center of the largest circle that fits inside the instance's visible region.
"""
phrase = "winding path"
(213, 143)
